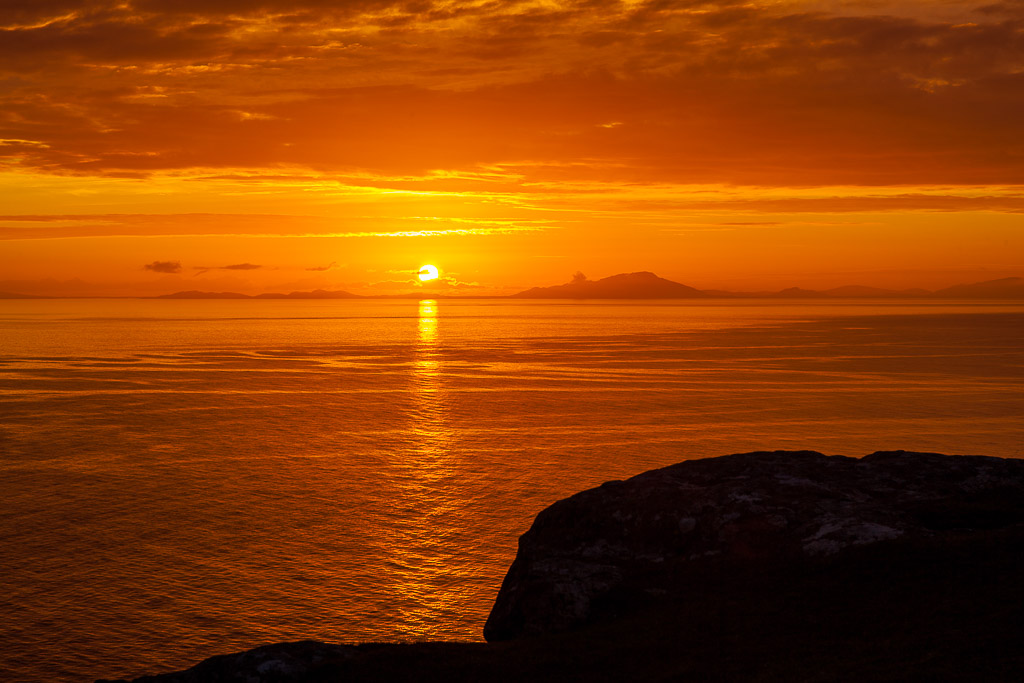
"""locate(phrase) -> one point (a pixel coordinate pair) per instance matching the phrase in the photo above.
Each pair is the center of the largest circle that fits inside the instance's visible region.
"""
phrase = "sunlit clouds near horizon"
(743, 144)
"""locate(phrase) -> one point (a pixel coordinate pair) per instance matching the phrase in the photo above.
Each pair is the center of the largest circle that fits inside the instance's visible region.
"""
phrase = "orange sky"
(273, 145)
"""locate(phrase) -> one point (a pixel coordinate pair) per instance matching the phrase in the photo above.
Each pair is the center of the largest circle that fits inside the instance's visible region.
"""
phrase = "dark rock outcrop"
(278, 663)
(781, 566)
(645, 538)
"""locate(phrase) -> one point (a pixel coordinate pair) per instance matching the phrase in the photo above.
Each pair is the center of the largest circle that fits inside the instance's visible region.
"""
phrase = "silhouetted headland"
(645, 285)
(642, 285)
(765, 566)
(1005, 288)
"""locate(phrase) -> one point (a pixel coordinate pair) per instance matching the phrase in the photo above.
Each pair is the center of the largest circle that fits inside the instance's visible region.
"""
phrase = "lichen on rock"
(639, 535)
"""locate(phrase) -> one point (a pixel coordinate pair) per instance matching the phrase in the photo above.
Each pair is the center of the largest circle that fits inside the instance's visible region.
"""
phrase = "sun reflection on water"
(426, 365)
(431, 428)
(425, 576)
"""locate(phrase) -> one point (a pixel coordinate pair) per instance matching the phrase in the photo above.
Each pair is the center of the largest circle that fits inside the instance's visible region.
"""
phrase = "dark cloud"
(202, 270)
(55, 226)
(22, 12)
(236, 266)
(265, 7)
(164, 266)
(16, 12)
(669, 91)
(689, 127)
(1014, 8)
(320, 269)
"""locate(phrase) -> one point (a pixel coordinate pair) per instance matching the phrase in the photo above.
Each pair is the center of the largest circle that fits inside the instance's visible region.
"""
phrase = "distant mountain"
(196, 294)
(798, 293)
(315, 294)
(861, 292)
(845, 292)
(645, 285)
(1005, 288)
(641, 285)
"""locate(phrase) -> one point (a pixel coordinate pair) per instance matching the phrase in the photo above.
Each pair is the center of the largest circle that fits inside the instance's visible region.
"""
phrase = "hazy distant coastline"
(641, 285)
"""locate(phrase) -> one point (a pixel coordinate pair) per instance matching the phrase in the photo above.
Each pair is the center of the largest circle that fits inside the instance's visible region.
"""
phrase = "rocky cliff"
(629, 540)
(772, 566)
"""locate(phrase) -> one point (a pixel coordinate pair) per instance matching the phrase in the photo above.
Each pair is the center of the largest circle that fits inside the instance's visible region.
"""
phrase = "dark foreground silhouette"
(782, 566)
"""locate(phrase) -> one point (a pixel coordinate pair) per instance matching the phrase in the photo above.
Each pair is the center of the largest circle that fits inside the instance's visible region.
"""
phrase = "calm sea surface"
(185, 478)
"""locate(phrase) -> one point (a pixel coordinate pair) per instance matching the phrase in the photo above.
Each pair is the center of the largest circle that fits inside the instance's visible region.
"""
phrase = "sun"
(428, 272)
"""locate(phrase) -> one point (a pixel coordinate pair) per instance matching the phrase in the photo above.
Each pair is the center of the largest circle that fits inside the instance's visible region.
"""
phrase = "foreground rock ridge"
(766, 566)
(628, 539)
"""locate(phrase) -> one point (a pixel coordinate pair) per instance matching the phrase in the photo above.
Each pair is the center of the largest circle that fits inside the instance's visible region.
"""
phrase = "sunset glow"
(511, 340)
(150, 147)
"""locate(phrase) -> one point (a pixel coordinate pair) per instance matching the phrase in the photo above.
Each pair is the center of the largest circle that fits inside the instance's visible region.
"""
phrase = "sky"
(153, 146)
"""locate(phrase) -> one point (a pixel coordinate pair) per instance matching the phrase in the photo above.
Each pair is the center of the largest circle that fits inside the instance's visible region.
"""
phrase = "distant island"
(315, 294)
(645, 285)
(641, 285)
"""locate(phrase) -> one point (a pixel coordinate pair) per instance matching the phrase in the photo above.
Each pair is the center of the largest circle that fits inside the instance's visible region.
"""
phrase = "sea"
(180, 479)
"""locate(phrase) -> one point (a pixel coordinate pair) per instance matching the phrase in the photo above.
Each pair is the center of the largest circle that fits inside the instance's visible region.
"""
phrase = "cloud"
(445, 283)
(201, 270)
(761, 93)
(164, 266)
(569, 206)
(320, 269)
(70, 226)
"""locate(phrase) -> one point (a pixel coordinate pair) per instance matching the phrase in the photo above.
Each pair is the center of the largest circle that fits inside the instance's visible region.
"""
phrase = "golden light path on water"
(248, 472)
(425, 578)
